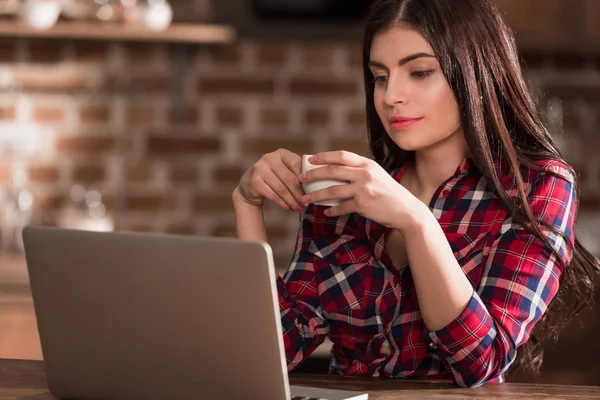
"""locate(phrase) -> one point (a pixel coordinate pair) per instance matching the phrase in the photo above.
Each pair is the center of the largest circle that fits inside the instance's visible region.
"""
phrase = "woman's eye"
(421, 74)
(380, 80)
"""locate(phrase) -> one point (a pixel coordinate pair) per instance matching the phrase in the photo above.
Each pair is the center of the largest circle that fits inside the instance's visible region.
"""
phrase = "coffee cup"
(313, 186)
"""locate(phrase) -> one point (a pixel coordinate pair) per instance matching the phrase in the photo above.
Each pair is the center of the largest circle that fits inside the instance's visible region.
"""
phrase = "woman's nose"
(395, 93)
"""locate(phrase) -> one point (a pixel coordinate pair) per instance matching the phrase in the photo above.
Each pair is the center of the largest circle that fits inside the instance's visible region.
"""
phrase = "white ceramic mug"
(313, 186)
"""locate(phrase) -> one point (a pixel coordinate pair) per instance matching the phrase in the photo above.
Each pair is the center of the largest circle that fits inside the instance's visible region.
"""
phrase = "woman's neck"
(434, 165)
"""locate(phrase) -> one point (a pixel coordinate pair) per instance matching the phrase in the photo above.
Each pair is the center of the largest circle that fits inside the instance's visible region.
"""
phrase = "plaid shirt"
(342, 283)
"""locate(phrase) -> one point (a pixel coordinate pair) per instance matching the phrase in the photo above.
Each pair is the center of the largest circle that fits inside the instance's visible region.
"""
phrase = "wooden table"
(21, 379)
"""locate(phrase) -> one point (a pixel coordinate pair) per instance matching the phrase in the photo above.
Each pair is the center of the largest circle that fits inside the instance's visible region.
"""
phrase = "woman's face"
(412, 97)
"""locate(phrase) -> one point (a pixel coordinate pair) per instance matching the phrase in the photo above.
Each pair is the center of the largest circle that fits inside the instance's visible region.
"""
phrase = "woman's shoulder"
(549, 168)
(552, 181)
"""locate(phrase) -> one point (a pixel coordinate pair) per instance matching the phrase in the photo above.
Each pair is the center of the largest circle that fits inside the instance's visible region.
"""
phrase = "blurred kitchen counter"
(18, 333)
(13, 271)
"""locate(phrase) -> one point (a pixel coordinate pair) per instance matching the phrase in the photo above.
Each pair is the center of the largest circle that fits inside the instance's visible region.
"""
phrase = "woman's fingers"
(290, 180)
(279, 186)
(270, 194)
(292, 161)
(337, 192)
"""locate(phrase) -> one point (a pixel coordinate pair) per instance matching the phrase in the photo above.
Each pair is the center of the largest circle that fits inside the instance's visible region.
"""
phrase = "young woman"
(457, 238)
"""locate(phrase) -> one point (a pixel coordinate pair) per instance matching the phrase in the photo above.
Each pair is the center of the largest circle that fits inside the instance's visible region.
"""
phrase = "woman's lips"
(399, 125)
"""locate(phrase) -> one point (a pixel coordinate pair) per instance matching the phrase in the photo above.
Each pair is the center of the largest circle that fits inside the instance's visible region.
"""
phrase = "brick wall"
(114, 117)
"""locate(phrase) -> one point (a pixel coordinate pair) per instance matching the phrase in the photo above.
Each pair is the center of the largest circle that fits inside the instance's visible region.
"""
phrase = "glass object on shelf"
(40, 14)
(16, 211)
(86, 211)
(158, 15)
(155, 15)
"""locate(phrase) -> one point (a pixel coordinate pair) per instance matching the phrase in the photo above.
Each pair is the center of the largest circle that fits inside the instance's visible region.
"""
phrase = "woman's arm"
(442, 287)
(249, 219)
(302, 320)
(478, 333)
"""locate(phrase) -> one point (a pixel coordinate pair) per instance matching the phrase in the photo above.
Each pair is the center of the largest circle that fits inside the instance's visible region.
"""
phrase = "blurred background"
(142, 115)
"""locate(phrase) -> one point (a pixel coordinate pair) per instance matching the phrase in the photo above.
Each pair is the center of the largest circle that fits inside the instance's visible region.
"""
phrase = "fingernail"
(312, 159)
(301, 177)
(306, 199)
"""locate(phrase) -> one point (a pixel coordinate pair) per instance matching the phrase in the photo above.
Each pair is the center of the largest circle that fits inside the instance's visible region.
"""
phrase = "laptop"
(150, 316)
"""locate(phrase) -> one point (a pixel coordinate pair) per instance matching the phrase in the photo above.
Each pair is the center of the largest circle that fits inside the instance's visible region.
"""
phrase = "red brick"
(316, 117)
(109, 201)
(45, 174)
(355, 56)
(236, 85)
(94, 113)
(90, 50)
(8, 112)
(184, 173)
(86, 144)
(229, 116)
(141, 114)
(49, 202)
(140, 52)
(228, 54)
(258, 145)
(228, 174)
(151, 84)
(46, 50)
(48, 114)
(53, 80)
(149, 202)
(323, 87)
(161, 145)
(89, 173)
(319, 55)
(8, 49)
(274, 116)
(184, 115)
(210, 203)
(275, 54)
(358, 146)
(139, 173)
(357, 118)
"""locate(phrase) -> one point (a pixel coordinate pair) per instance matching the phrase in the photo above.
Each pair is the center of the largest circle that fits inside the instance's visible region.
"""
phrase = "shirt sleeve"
(521, 277)
(302, 319)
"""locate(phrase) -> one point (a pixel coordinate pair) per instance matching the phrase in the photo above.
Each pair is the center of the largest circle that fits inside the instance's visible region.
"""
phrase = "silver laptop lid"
(141, 316)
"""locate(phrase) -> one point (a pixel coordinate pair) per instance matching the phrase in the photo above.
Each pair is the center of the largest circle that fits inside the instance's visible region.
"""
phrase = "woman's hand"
(273, 177)
(372, 191)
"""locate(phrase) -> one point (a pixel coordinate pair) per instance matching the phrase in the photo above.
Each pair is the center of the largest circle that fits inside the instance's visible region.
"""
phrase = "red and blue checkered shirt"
(343, 284)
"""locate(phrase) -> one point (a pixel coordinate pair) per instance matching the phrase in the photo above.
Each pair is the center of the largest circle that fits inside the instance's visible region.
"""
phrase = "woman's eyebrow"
(373, 63)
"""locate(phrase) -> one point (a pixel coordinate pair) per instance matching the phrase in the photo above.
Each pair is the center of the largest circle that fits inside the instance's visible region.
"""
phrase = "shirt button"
(338, 255)
(432, 346)
(445, 192)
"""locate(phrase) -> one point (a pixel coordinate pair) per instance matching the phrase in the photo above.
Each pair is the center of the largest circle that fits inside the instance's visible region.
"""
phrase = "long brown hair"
(478, 56)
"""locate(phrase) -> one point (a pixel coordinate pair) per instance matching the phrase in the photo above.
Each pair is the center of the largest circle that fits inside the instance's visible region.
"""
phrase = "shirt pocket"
(469, 252)
(342, 265)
